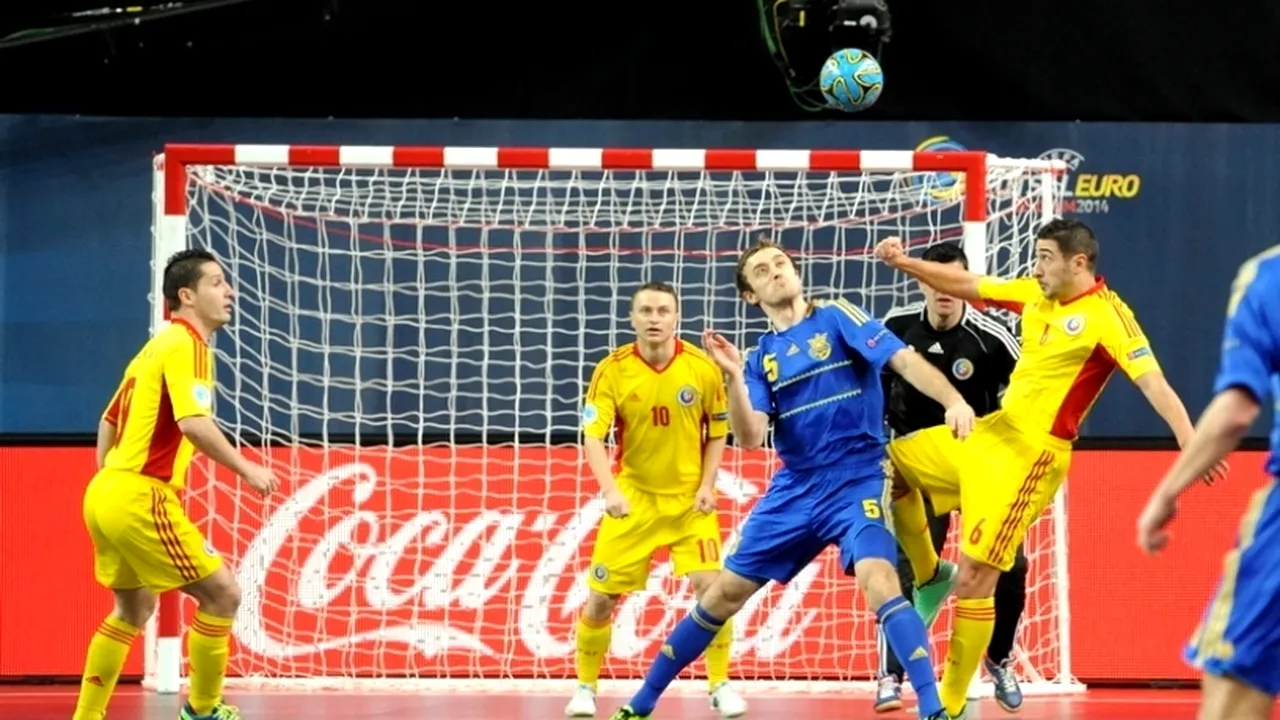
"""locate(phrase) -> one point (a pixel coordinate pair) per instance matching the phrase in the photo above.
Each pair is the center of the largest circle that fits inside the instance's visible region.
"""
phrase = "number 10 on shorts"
(709, 550)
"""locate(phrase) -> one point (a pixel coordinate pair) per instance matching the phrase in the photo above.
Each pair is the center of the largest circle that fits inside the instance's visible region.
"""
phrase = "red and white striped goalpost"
(990, 204)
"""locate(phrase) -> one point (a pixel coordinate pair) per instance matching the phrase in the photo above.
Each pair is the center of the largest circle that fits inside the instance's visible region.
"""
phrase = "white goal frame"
(163, 635)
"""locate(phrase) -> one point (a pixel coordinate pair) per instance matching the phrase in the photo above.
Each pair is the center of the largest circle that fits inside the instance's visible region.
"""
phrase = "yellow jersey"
(662, 417)
(1070, 349)
(171, 378)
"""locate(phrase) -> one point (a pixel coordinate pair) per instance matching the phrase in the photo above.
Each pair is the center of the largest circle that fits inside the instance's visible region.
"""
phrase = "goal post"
(412, 332)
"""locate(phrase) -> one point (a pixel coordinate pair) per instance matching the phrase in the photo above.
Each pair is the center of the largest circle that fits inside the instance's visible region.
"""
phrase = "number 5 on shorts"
(871, 508)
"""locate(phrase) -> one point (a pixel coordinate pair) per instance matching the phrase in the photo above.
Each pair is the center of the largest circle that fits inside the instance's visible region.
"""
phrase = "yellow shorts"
(624, 547)
(999, 478)
(141, 536)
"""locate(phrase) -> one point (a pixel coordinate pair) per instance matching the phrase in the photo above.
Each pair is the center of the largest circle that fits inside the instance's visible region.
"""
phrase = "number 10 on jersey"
(660, 415)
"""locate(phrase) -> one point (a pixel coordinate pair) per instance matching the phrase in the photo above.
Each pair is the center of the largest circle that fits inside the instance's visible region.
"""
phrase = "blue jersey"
(819, 382)
(1251, 342)
(1239, 636)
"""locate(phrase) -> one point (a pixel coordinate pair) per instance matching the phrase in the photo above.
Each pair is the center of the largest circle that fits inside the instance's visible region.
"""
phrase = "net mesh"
(412, 345)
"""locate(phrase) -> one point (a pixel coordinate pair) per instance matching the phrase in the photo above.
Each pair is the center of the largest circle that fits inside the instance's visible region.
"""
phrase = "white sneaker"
(727, 700)
(583, 702)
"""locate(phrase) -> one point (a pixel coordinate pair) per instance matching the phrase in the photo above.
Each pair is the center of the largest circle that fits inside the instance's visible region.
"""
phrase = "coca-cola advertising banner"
(469, 562)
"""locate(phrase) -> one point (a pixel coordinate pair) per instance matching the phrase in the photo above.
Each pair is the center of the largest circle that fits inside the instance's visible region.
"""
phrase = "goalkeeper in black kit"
(977, 353)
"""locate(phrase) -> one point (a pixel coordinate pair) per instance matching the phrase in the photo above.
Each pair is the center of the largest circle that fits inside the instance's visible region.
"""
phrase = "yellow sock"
(208, 641)
(102, 665)
(912, 529)
(970, 634)
(718, 655)
(593, 645)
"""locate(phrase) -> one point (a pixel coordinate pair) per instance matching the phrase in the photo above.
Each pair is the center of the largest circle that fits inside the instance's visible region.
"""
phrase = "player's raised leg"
(925, 461)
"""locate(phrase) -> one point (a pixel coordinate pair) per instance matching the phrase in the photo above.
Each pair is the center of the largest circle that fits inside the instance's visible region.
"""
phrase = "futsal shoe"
(888, 695)
(221, 711)
(727, 700)
(626, 713)
(1008, 693)
(583, 702)
(930, 598)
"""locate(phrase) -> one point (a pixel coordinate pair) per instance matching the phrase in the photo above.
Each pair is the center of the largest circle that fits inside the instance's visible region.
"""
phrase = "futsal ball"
(851, 80)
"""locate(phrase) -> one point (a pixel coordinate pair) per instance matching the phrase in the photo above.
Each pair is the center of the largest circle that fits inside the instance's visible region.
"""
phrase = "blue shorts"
(802, 513)
(1239, 636)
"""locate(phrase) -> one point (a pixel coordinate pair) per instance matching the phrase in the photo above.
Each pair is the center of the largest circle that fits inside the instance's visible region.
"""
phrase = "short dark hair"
(762, 242)
(656, 286)
(1072, 238)
(947, 252)
(184, 270)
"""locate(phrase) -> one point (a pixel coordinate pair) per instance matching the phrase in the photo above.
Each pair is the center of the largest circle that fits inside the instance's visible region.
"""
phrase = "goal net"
(412, 334)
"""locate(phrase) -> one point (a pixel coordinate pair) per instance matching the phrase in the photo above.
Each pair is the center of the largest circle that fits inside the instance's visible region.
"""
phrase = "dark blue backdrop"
(1185, 205)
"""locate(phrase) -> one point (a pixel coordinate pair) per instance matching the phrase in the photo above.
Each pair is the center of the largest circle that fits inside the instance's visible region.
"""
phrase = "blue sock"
(904, 631)
(689, 640)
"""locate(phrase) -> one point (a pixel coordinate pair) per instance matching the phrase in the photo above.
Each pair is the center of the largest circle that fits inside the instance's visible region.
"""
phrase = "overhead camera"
(870, 16)
(806, 32)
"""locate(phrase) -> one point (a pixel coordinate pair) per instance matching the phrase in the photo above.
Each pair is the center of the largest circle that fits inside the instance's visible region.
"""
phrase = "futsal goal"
(412, 334)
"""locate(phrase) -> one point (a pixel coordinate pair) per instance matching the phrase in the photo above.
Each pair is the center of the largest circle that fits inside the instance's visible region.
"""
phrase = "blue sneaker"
(1008, 693)
(888, 695)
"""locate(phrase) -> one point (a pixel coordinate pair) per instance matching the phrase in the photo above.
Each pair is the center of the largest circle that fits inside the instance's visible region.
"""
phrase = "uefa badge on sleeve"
(589, 414)
(202, 395)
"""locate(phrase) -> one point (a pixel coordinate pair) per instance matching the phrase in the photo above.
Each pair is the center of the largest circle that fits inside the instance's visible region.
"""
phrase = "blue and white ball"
(851, 80)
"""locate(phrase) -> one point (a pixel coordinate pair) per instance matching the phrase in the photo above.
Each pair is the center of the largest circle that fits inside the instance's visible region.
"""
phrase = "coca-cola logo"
(355, 559)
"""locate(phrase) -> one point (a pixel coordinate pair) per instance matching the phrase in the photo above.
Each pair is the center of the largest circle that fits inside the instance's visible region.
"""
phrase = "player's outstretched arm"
(1219, 431)
(929, 380)
(748, 424)
(948, 278)
(1165, 401)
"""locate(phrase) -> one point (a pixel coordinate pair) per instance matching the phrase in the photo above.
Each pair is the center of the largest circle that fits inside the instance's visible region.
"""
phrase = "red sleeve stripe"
(1127, 320)
(601, 369)
(201, 352)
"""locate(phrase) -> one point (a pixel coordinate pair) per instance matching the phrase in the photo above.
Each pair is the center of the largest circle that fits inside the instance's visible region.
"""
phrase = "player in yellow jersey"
(665, 401)
(1075, 333)
(143, 542)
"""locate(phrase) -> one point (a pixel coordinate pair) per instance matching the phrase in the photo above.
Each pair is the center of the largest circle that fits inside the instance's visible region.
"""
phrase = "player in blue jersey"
(816, 376)
(1238, 642)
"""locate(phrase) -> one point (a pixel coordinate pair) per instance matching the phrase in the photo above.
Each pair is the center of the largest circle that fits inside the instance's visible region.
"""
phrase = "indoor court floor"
(133, 703)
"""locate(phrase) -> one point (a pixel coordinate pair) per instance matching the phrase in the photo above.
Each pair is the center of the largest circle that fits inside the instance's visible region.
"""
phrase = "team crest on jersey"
(1074, 325)
(201, 394)
(819, 347)
(600, 572)
(962, 369)
(687, 396)
(589, 413)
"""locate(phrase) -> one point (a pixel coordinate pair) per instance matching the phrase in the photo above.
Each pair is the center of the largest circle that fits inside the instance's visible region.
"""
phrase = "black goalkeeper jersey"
(977, 356)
